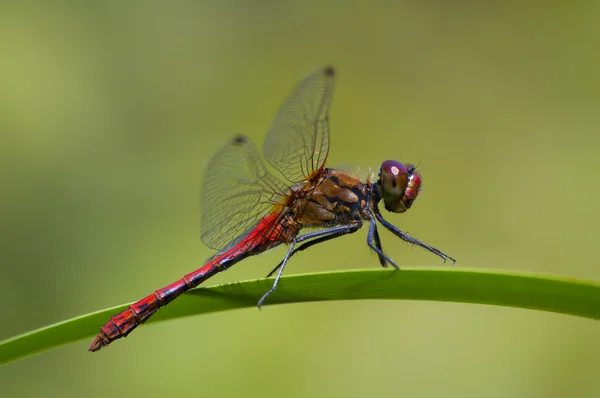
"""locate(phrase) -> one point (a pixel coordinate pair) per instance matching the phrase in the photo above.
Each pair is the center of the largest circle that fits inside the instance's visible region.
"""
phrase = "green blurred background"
(109, 112)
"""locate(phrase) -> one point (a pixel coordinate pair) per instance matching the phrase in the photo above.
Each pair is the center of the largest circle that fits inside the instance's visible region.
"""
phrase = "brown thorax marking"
(330, 196)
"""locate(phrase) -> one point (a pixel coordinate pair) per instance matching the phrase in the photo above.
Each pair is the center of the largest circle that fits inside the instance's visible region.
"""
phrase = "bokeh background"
(109, 112)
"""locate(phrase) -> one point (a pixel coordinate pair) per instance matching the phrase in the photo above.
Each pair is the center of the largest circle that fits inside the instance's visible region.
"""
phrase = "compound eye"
(413, 188)
(393, 181)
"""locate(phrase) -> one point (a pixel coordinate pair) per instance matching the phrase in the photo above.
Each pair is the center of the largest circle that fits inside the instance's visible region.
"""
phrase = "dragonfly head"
(399, 185)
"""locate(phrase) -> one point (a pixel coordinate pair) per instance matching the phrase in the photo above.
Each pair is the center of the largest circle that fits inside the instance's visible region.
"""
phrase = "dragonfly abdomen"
(123, 323)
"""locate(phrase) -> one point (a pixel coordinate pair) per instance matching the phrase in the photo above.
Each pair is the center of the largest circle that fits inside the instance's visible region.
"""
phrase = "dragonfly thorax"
(334, 198)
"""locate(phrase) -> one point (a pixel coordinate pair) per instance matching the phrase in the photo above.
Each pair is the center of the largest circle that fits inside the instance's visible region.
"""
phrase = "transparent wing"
(298, 142)
(237, 192)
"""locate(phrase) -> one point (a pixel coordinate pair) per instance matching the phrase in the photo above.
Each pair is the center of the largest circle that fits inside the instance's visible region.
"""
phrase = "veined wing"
(237, 192)
(298, 143)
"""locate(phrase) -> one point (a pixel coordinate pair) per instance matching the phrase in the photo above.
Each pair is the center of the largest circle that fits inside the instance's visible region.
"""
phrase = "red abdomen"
(264, 236)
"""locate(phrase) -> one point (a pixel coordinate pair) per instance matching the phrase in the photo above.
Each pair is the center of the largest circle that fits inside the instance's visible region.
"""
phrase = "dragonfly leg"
(382, 259)
(407, 238)
(306, 245)
(336, 231)
(375, 244)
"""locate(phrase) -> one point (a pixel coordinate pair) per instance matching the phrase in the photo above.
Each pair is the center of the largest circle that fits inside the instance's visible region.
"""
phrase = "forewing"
(298, 143)
(237, 192)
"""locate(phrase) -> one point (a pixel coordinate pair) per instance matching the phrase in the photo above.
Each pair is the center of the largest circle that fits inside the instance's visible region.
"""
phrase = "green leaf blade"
(545, 293)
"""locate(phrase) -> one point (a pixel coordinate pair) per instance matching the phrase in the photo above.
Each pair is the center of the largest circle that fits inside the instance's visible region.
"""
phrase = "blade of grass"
(545, 293)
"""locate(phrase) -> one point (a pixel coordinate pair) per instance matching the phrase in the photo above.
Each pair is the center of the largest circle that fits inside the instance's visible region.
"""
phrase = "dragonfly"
(248, 209)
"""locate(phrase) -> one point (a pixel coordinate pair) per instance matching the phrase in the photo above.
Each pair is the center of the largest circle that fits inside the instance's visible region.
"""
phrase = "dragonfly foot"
(263, 298)
(388, 261)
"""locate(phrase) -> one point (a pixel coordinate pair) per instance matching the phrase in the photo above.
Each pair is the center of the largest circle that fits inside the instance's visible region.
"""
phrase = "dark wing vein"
(298, 142)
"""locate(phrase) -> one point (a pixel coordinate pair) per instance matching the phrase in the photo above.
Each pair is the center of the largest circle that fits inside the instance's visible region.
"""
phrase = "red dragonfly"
(247, 210)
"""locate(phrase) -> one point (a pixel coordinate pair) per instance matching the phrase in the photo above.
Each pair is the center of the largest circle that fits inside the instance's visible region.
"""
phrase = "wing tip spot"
(239, 140)
(329, 71)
